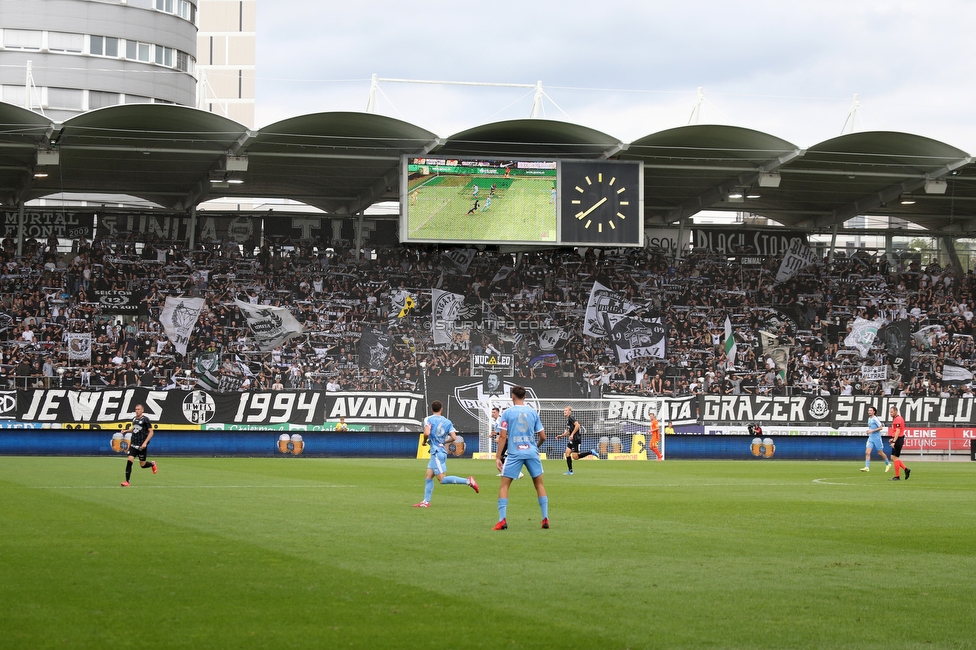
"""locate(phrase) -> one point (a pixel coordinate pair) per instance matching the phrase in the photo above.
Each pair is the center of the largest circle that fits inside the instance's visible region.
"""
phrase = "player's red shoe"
(545, 522)
(473, 484)
(422, 504)
(155, 469)
(501, 525)
(125, 484)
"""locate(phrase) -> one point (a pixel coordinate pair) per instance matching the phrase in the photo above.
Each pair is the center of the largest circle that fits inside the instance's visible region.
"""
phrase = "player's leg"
(584, 454)
(503, 500)
(657, 452)
(535, 471)
(432, 468)
(128, 470)
(569, 458)
(867, 457)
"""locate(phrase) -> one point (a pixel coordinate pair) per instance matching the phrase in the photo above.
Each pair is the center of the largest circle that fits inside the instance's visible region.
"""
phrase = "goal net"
(604, 426)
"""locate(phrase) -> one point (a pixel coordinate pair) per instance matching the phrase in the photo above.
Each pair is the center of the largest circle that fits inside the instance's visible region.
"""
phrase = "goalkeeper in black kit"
(575, 434)
(142, 432)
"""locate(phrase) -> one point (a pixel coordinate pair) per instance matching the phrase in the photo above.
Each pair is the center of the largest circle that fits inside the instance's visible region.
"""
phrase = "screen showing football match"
(479, 201)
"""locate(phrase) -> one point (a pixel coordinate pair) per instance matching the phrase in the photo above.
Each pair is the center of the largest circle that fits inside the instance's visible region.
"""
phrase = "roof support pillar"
(359, 235)
(193, 229)
(950, 246)
(681, 238)
(833, 243)
(20, 228)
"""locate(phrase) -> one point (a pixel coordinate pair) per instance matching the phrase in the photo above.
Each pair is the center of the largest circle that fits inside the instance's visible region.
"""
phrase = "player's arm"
(576, 428)
(541, 437)
(451, 437)
(145, 443)
(426, 433)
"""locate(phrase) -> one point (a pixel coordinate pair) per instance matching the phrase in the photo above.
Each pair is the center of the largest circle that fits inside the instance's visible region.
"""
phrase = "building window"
(137, 99)
(64, 42)
(144, 52)
(182, 8)
(99, 99)
(68, 99)
(182, 61)
(103, 46)
(22, 39)
(13, 95)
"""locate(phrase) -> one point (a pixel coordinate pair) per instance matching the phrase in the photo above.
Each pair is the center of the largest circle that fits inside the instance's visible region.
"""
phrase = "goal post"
(611, 433)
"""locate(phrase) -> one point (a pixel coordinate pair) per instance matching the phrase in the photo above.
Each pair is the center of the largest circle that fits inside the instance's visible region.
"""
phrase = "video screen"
(479, 201)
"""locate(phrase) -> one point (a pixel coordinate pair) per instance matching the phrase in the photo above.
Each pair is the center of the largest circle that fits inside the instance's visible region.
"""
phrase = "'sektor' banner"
(391, 411)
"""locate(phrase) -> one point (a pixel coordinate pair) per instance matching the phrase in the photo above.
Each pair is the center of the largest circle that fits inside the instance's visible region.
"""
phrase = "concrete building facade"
(226, 58)
(65, 57)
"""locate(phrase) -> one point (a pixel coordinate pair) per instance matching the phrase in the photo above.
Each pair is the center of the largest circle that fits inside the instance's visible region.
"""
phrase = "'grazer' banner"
(382, 411)
(843, 411)
(42, 224)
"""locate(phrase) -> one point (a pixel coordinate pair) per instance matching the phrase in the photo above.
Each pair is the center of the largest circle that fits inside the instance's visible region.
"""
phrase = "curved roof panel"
(530, 138)
(341, 162)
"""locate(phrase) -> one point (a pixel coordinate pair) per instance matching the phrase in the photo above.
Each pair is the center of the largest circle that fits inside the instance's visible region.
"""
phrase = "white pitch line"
(190, 487)
(823, 481)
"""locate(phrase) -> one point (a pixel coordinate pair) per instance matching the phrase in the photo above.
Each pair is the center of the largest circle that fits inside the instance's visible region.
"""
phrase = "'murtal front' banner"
(844, 411)
(382, 411)
(42, 224)
(747, 242)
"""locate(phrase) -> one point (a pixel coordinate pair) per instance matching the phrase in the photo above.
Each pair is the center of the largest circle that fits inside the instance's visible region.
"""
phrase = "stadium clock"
(601, 203)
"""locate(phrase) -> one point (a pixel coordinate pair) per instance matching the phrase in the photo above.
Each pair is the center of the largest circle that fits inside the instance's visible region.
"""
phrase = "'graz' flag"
(374, 350)
(636, 337)
(270, 326)
(604, 301)
(178, 318)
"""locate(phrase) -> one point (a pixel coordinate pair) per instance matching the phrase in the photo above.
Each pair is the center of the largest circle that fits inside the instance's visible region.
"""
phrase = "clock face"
(601, 203)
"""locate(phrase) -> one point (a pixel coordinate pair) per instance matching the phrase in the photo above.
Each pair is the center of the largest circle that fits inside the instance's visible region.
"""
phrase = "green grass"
(520, 211)
(307, 553)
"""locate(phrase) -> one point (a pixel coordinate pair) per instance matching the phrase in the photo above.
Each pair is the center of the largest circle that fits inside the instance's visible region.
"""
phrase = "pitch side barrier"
(388, 424)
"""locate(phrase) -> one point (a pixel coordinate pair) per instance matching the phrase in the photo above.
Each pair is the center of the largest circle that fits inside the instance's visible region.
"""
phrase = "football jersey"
(521, 424)
(440, 431)
(140, 430)
(897, 427)
(874, 423)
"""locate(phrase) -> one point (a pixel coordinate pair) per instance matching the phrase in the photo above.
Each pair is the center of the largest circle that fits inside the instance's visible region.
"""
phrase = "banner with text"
(43, 224)
(389, 411)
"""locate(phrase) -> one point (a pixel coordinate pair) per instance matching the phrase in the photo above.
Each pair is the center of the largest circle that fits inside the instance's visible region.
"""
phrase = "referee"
(142, 432)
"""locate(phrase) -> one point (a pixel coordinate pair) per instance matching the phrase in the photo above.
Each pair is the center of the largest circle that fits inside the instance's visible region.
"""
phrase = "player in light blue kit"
(439, 432)
(874, 441)
(522, 430)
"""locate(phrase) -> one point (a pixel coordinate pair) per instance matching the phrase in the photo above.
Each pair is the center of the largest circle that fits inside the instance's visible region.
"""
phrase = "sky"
(789, 68)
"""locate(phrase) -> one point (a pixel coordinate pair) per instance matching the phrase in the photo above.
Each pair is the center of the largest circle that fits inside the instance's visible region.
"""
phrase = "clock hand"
(582, 215)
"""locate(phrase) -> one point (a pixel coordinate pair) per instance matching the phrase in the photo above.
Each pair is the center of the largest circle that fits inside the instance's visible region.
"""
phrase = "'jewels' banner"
(390, 411)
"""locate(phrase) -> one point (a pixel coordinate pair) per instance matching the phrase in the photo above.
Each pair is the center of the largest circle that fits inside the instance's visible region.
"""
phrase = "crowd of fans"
(510, 302)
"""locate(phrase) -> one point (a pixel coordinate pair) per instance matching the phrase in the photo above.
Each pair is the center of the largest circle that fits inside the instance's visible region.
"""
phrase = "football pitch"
(308, 553)
(442, 208)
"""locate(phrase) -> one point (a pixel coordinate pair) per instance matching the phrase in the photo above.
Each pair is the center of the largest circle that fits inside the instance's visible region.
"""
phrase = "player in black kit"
(142, 432)
(575, 440)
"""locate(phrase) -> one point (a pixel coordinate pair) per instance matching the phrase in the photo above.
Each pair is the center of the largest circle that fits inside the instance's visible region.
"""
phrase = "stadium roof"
(342, 162)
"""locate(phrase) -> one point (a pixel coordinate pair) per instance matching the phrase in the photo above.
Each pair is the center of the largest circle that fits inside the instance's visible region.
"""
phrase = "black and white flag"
(374, 350)
(178, 318)
(270, 326)
(797, 258)
(552, 339)
(503, 273)
(604, 302)
(636, 337)
(955, 374)
(444, 312)
(79, 346)
(457, 259)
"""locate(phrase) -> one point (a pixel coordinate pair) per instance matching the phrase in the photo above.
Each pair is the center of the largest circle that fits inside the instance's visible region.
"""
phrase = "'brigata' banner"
(391, 411)
(834, 411)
